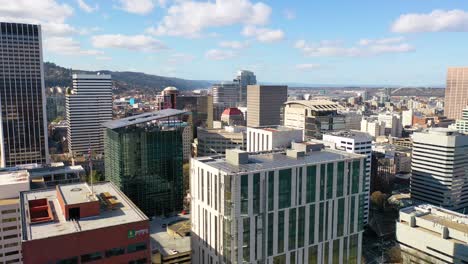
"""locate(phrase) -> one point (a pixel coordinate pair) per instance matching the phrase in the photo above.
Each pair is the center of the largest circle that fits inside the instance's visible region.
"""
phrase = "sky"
(337, 42)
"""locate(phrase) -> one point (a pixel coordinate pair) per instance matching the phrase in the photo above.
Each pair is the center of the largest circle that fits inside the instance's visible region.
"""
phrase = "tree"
(394, 255)
(378, 200)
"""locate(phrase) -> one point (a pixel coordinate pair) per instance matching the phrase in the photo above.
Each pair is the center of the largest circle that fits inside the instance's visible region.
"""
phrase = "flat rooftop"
(317, 105)
(276, 128)
(278, 160)
(353, 134)
(143, 118)
(12, 183)
(126, 213)
(164, 242)
(13, 177)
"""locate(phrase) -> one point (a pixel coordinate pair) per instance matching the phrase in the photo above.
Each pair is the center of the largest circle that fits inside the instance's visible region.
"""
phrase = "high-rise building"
(243, 79)
(359, 143)
(456, 92)
(298, 206)
(225, 94)
(407, 118)
(271, 138)
(11, 184)
(374, 127)
(88, 106)
(80, 223)
(461, 125)
(23, 131)
(314, 117)
(439, 168)
(144, 158)
(167, 98)
(264, 104)
(393, 123)
(430, 234)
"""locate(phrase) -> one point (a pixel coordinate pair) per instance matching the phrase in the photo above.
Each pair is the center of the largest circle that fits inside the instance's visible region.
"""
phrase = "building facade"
(461, 125)
(270, 138)
(23, 131)
(374, 127)
(264, 104)
(88, 106)
(430, 234)
(226, 94)
(439, 168)
(215, 141)
(243, 79)
(456, 92)
(295, 207)
(144, 158)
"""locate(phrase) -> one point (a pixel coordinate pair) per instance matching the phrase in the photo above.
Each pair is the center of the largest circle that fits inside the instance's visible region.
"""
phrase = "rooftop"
(354, 134)
(143, 118)
(167, 243)
(12, 183)
(277, 160)
(275, 128)
(125, 213)
(317, 105)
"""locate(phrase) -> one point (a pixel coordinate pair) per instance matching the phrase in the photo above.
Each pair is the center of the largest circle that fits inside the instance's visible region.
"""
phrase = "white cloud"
(438, 20)
(263, 34)
(130, 42)
(67, 46)
(140, 7)
(190, 18)
(180, 58)
(234, 44)
(103, 58)
(307, 66)
(86, 7)
(215, 54)
(289, 14)
(365, 47)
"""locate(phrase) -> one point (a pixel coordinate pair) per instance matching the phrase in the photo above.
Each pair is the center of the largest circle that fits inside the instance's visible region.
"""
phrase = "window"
(271, 189)
(330, 180)
(114, 252)
(138, 261)
(10, 236)
(11, 245)
(340, 179)
(292, 228)
(284, 188)
(91, 257)
(8, 220)
(11, 211)
(10, 228)
(136, 247)
(16, 252)
(270, 234)
(301, 227)
(311, 175)
(256, 193)
(246, 238)
(280, 231)
(244, 194)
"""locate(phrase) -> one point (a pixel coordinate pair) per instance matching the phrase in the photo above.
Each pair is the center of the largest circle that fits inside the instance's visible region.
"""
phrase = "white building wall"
(10, 231)
(263, 139)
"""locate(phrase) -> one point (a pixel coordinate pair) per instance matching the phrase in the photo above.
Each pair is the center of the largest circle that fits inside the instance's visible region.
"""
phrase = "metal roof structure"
(317, 105)
(143, 118)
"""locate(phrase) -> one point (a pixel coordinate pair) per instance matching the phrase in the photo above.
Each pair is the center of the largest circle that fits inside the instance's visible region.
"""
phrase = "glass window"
(322, 182)
(336, 251)
(330, 180)
(355, 176)
(292, 228)
(313, 255)
(114, 252)
(340, 226)
(351, 214)
(311, 175)
(138, 261)
(353, 249)
(280, 231)
(73, 260)
(281, 259)
(246, 239)
(270, 234)
(325, 252)
(301, 227)
(340, 179)
(91, 257)
(136, 247)
(299, 188)
(292, 257)
(311, 224)
(256, 193)
(321, 219)
(284, 188)
(244, 194)
(271, 190)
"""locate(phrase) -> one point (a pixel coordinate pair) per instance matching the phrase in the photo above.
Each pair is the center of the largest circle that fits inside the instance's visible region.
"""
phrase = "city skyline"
(411, 43)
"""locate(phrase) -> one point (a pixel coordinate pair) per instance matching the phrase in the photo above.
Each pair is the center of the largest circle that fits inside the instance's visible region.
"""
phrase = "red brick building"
(77, 223)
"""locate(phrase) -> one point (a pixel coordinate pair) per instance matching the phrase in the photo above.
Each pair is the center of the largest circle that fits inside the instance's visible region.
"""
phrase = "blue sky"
(399, 42)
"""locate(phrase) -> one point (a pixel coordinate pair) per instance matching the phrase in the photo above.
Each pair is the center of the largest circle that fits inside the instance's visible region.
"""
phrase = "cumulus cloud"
(365, 47)
(130, 42)
(140, 7)
(86, 7)
(68, 46)
(263, 34)
(438, 20)
(215, 54)
(190, 18)
(234, 44)
(307, 66)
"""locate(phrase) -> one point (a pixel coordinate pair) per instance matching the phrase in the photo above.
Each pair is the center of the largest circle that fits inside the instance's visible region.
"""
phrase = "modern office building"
(23, 131)
(88, 106)
(430, 234)
(215, 141)
(352, 120)
(456, 92)
(80, 223)
(298, 206)
(264, 104)
(314, 117)
(55, 106)
(11, 184)
(226, 94)
(439, 168)
(359, 143)
(272, 137)
(243, 79)
(144, 158)
(461, 125)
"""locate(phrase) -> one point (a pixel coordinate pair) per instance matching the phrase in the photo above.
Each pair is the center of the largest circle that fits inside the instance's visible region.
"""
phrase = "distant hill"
(123, 81)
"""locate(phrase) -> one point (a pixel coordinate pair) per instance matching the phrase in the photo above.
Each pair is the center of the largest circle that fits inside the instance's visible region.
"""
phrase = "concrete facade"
(270, 138)
(264, 104)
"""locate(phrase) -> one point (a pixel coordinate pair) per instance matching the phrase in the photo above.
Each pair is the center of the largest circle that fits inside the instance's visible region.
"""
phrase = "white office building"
(407, 118)
(269, 138)
(430, 234)
(461, 125)
(439, 168)
(88, 106)
(393, 124)
(374, 127)
(355, 142)
(11, 184)
(298, 206)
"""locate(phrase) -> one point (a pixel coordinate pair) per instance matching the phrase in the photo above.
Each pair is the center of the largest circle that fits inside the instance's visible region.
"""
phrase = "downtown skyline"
(358, 43)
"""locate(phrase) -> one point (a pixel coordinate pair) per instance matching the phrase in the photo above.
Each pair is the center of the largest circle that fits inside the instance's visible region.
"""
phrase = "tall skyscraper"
(88, 106)
(456, 92)
(225, 94)
(298, 206)
(144, 158)
(23, 132)
(243, 79)
(264, 104)
(439, 168)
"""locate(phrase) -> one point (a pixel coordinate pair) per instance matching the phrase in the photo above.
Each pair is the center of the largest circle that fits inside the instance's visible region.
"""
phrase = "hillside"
(123, 81)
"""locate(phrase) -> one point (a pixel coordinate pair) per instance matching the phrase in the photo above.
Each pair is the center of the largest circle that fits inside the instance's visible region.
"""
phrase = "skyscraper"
(264, 104)
(439, 168)
(225, 94)
(88, 106)
(144, 158)
(23, 132)
(243, 79)
(456, 92)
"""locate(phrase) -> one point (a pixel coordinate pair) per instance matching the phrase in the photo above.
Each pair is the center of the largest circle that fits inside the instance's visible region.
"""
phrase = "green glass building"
(144, 158)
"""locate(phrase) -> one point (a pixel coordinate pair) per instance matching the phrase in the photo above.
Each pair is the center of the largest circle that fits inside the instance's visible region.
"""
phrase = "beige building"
(456, 92)
(430, 234)
(264, 104)
(216, 141)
